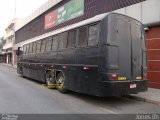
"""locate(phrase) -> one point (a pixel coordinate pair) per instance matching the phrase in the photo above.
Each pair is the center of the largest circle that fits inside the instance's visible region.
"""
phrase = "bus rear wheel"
(60, 82)
(49, 80)
(21, 71)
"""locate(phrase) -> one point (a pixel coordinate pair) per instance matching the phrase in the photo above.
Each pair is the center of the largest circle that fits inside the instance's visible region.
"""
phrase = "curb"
(144, 99)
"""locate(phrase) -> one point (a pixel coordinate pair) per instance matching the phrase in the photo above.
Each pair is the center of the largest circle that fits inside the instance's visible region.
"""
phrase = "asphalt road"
(22, 95)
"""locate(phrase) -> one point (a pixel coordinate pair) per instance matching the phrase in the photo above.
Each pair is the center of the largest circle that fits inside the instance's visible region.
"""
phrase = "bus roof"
(70, 27)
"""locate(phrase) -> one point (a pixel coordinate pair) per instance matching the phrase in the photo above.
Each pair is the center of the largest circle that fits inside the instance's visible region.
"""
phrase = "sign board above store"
(70, 10)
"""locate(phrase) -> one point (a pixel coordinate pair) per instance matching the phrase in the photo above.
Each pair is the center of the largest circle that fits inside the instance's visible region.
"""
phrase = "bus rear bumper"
(117, 88)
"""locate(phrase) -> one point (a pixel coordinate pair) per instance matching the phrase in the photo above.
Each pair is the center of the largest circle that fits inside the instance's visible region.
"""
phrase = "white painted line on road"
(109, 111)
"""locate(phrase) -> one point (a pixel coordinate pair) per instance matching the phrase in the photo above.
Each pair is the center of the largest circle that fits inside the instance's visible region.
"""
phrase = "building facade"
(9, 55)
(56, 14)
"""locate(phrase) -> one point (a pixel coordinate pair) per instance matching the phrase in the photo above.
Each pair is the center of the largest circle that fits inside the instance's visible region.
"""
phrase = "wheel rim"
(48, 78)
(60, 82)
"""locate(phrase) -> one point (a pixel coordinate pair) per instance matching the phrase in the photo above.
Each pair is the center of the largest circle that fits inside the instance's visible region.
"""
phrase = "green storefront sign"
(71, 10)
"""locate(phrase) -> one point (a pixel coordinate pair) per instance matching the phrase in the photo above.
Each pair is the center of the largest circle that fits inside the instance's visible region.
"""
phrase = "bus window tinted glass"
(27, 48)
(82, 36)
(43, 45)
(24, 49)
(55, 42)
(38, 46)
(34, 47)
(63, 40)
(30, 48)
(93, 35)
(48, 44)
(71, 39)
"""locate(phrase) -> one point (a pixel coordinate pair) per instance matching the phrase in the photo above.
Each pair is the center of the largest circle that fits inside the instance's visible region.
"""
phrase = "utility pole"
(13, 41)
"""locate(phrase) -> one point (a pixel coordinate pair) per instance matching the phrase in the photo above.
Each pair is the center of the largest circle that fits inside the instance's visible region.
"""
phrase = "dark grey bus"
(101, 56)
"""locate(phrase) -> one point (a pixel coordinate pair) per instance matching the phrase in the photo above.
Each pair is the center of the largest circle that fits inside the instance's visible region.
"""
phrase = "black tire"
(49, 80)
(21, 72)
(60, 82)
(1, 59)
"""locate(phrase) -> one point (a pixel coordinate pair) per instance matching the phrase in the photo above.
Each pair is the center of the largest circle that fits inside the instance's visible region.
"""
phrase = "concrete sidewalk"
(151, 96)
(9, 65)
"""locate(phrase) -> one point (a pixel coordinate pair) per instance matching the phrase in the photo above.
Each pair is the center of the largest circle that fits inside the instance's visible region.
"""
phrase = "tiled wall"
(153, 48)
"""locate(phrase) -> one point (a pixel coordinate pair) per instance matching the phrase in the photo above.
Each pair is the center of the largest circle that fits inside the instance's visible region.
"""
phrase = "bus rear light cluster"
(64, 67)
(114, 76)
(144, 75)
(86, 68)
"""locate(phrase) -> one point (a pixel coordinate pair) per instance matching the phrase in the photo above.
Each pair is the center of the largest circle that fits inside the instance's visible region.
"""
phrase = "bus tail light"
(86, 68)
(144, 75)
(114, 76)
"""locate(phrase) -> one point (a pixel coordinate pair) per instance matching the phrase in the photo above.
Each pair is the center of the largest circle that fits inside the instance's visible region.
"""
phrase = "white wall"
(39, 11)
(148, 12)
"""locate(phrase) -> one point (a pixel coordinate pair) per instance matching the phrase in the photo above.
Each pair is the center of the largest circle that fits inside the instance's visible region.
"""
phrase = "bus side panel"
(85, 71)
(66, 56)
(85, 81)
(103, 53)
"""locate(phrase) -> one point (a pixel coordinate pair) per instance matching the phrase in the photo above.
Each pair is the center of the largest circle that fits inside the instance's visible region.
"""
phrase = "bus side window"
(93, 35)
(24, 49)
(31, 48)
(27, 48)
(55, 42)
(82, 36)
(63, 40)
(38, 48)
(34, 47)
(48, 44)
(71, 39)
(43, 45)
